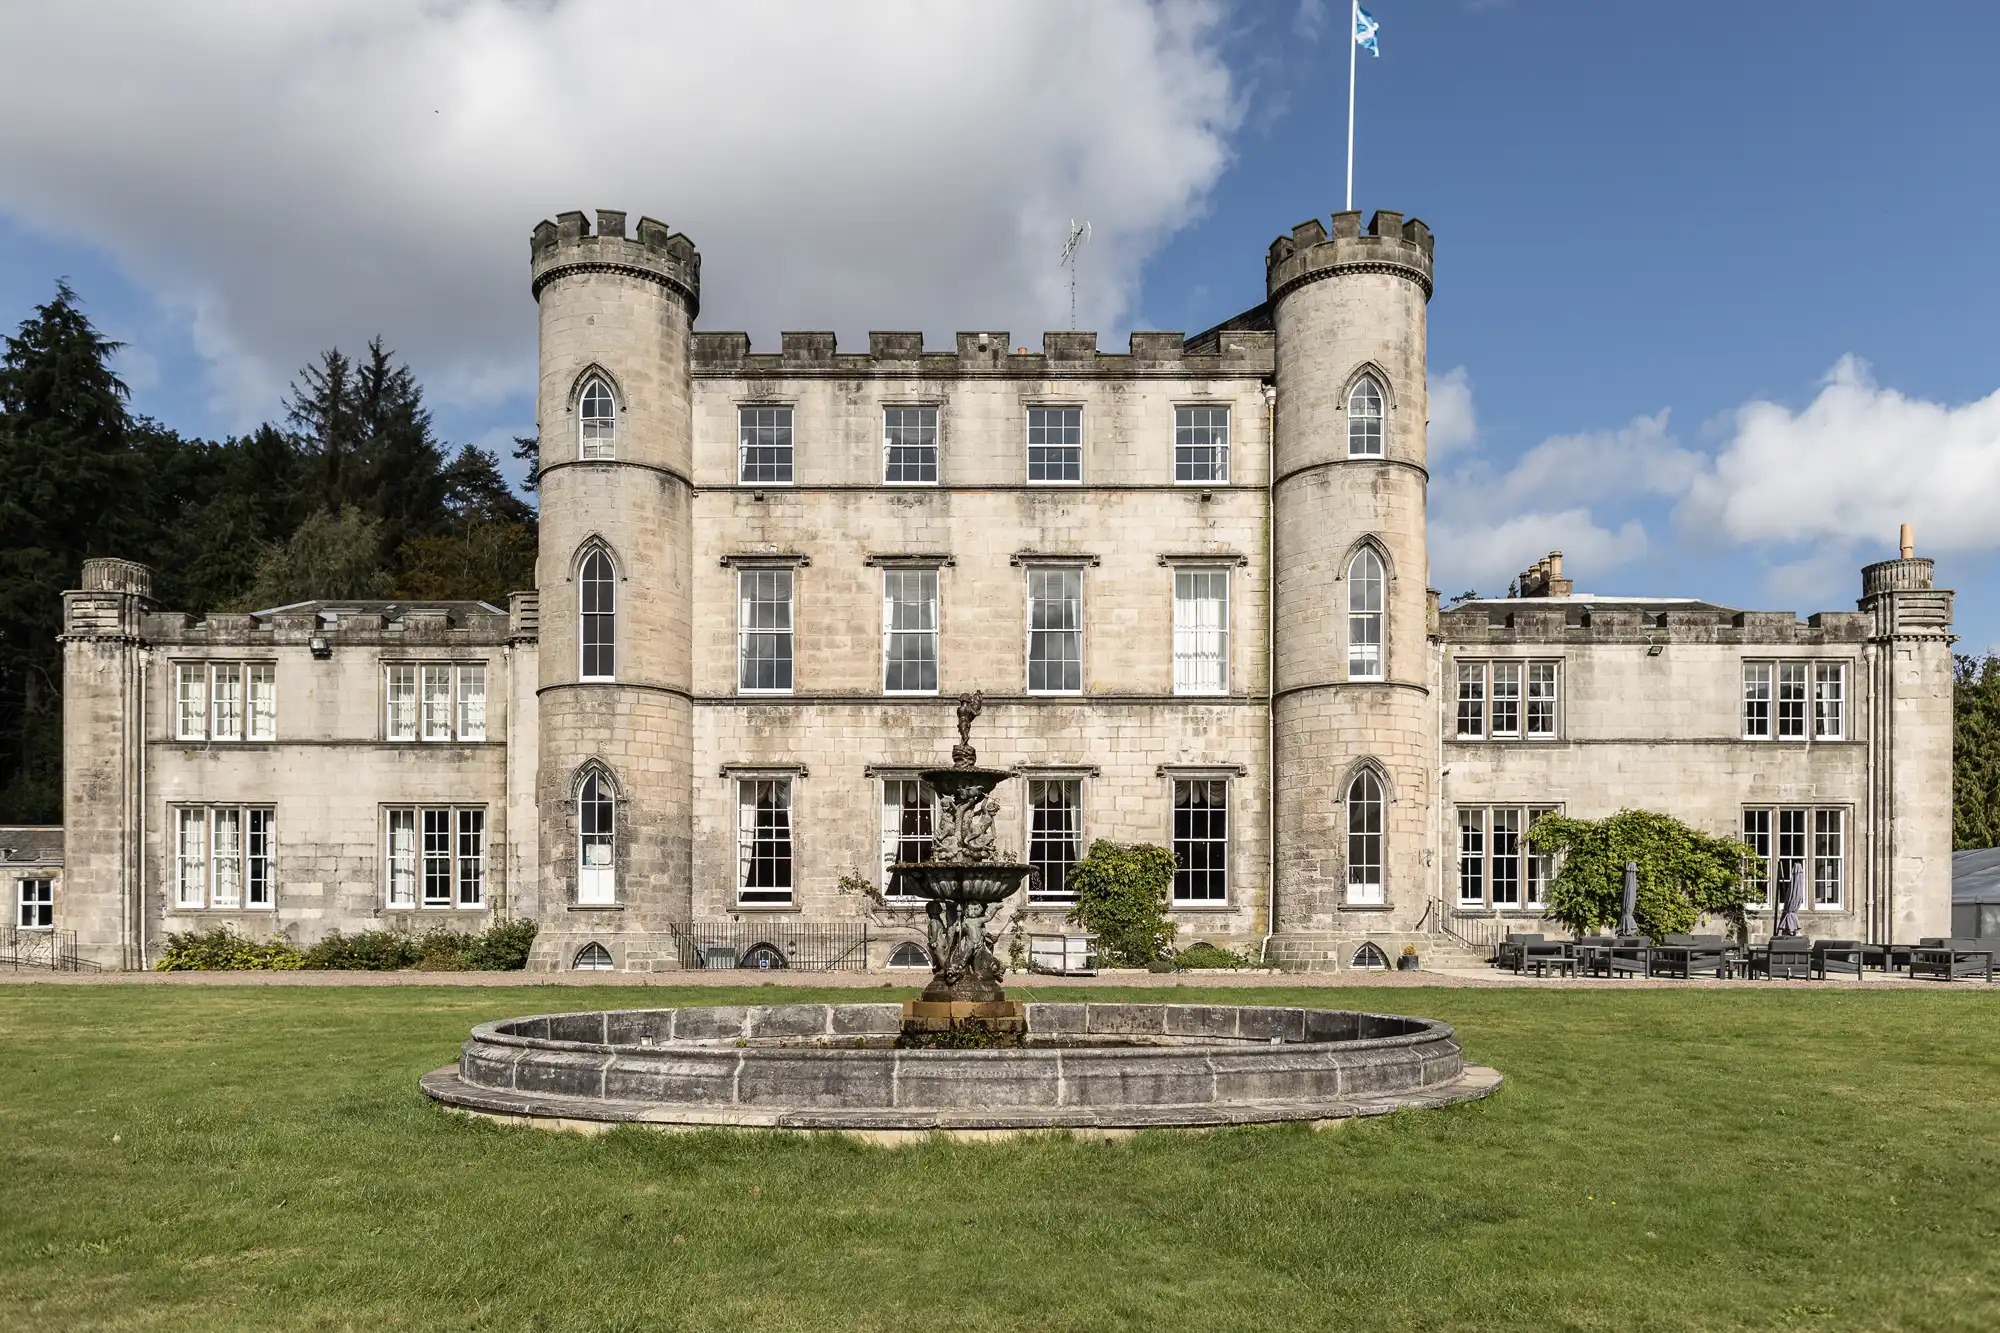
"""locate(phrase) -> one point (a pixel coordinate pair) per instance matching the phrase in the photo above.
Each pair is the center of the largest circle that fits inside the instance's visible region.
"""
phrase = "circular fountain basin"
(1093, 1068)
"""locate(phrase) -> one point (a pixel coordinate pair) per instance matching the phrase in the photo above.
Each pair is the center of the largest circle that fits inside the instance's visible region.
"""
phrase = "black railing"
(802, 946)
(43, 950)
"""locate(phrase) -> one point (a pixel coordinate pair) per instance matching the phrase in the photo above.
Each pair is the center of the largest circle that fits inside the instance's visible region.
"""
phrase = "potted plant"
(1408, 962)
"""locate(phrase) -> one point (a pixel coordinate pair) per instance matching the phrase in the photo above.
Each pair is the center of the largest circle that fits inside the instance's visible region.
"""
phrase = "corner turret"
(1309, 254)
(566, 246)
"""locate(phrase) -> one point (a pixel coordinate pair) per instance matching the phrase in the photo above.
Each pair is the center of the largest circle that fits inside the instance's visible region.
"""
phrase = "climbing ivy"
(1121, 894)
(1684, 874)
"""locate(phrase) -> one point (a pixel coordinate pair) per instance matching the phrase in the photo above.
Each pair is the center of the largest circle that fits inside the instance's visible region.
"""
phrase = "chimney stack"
(1544, 578)
(1908, 541)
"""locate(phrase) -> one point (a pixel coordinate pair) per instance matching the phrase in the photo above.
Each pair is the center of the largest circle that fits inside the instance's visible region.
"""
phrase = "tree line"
(350, 494)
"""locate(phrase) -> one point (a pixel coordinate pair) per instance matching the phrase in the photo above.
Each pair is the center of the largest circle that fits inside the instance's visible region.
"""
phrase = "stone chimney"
(1545, 578)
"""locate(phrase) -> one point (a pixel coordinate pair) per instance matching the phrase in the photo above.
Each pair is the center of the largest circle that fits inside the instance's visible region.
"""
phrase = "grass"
(253, 1158)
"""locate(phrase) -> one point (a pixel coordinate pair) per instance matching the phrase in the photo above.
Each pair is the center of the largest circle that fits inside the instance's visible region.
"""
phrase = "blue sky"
(1650, 218)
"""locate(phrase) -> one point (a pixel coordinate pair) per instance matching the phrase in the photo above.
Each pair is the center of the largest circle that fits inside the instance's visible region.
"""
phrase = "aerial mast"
(1077, 236)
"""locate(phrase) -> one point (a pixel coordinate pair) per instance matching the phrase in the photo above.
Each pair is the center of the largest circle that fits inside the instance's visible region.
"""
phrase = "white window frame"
(782, 422)
(608, 590)
(1489, 688)
(35, 903)
(753, 836)
(1357, 423)
(225, 700)
(1819, 837)
(926, 427)
(1479, 853)
(1185, 876)
(596, 432)
(1829, 701)
(1758, 699)
(1028, 456)
(897, 809)
(596, 856)
(1361, 890)
(925, 639)
(1201, 651)
(427, 701)
(782, 638)
(1188, 451)
(1783, 701)
(426, 845)
(1359, 617)
(231, 866)
(434, 701)
(399, 701)
(1471, 721)
(1504, 700)
(469, 700)
(1044, 836)
(1541, 706)
(1076, 630)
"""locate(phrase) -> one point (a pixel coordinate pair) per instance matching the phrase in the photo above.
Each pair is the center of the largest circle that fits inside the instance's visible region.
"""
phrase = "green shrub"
(1203, 954)
(1121, 895)
(222, 950)
(503, 948)
(369, 951)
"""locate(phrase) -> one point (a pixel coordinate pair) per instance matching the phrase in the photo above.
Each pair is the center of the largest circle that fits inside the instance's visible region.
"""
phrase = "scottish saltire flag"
(1365, 29)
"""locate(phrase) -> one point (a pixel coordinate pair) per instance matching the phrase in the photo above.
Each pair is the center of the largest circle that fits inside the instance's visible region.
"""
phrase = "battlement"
(567, 246)
(990, 354)
(1390, 245)
(1570, 620)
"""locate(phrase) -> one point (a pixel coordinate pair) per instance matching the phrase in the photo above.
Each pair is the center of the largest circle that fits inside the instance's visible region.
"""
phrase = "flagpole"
(1353, 24)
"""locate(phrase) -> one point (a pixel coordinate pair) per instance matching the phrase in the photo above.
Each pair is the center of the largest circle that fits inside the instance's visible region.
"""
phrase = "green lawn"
(250, 1158)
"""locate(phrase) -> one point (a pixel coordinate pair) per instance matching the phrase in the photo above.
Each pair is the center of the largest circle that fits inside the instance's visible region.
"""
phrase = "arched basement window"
(592, 957)
(1364, 838)
(596, 842)
(597, 604)
(1364, 419)
(910, 954)
(1364, 616)
(597, 421)
(1370, 958)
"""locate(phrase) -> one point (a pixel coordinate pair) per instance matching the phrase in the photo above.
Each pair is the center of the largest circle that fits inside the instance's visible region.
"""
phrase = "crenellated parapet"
(1390, 245)
(1900, 598)
(986, 355)
(655, 253)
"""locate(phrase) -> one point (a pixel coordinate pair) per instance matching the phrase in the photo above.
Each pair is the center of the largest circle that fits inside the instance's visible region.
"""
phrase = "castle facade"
(1189, 580)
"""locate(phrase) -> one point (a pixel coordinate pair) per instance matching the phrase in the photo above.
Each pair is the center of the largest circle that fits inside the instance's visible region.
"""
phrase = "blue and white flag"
(1365, 29)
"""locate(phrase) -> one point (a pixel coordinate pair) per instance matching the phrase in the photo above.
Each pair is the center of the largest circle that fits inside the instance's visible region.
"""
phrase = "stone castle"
(1190, 580)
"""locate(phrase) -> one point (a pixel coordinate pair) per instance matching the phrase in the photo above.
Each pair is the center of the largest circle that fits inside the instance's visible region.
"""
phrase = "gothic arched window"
(592, 957)
(597, 420)
(1364, 838)
(597, 613)
(1364, 419)
(1365, 616)
(596, 840)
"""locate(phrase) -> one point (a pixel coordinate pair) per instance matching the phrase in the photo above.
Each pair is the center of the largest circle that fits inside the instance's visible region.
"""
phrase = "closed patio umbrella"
(1628, 920)
(1791, 897)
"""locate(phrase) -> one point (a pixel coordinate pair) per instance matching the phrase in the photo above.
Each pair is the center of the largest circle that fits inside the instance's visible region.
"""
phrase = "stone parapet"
(1064, 355)
(567, 246)
(1571, 624)
(1391, 245)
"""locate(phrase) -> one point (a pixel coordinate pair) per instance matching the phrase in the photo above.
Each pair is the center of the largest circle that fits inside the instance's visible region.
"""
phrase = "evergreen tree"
(1975, 759)
(69, 493)
(475, 492)
(528, 448)
(332, 557)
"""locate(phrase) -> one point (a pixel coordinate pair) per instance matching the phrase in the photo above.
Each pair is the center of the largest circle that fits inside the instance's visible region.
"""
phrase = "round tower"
(614, 576)
(1354, 724)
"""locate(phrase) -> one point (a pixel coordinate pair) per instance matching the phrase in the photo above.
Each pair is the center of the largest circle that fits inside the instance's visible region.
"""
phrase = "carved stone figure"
(969, 707)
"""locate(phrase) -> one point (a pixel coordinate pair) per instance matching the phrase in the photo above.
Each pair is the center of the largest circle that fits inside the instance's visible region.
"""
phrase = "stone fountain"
(963, 885)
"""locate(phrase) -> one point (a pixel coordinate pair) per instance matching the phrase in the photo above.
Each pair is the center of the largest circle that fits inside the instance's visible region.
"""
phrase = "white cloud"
(1454, 425)
(284, 176)
(1852, 465)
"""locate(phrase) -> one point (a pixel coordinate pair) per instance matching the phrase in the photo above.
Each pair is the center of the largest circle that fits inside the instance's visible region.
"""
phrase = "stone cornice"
(1390, 267)
(685, 290)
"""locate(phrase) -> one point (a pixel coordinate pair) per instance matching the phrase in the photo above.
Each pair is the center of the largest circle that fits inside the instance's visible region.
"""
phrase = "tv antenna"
(1077, 236)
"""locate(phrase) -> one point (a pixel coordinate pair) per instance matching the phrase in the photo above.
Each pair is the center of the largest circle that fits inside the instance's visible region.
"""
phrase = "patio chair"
(1507, 953)
(1539, 954)
(1689, 956)
(1952, 959)
(1631, 955)
(1844, 956)
(1788, 959)
(1593, 954)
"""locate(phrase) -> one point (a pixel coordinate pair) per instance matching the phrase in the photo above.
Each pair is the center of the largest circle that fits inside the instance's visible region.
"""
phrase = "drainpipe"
(139, 861)
(1270, 669)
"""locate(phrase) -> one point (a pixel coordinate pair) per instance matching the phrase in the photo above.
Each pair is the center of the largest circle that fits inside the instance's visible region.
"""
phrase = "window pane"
(1055, 836)
(1364, 616)
(1055, 630)
(1506, 832)
(1201, 840)
(909, 445)
(764, 840)
(1055, 444)
(596, 848)
(471, 858)
(597, 605)
(37, 904)
(908, 824)
(1756, 700)
(437, 858)
(191, 701)
(263, 701)
(909, 630)
(472, 702)
(226, 704)
(1541, 698)
(597, 421)
(191, 858)
(259, 861)
(1201, 631)
(1791, 700)
(1506, 698)
(1472, 857)
(1829, 853)
(764, 444)
(226, 864)
(1540, 866)
(437, 703)
(1364, 419)
(1829, 700)
(1757, 837)
(401, 855)
(1471, 698)
(1791, 843)
(1201, 444)
(764, 629)
(402, 703)
(1364, 838)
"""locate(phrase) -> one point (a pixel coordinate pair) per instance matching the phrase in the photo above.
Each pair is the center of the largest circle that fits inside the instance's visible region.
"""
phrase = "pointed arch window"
(1364, 838)
(1365, 616)
(596, 841)
(597, 612)
(1364, 419)
(597, 420)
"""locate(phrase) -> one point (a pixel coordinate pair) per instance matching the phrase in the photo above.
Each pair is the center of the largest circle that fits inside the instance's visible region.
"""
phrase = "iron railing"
(804, 946)
(48, 950)
(1483, 933)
